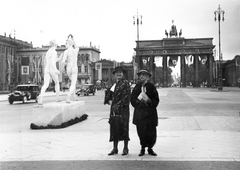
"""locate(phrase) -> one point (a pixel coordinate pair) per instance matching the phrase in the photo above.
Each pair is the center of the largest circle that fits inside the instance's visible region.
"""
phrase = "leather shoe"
(113, 152)
(151, 152)
(142, 152)
(125, 152)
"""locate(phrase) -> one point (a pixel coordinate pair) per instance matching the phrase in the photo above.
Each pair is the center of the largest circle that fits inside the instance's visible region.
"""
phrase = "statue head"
(53, 43)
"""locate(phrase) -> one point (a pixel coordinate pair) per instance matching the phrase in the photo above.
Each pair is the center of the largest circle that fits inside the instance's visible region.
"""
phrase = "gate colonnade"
(189, 50)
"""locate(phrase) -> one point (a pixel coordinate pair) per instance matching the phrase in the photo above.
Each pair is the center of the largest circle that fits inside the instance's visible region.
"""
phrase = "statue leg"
(72, 88)
(57, 87)
(44, 87)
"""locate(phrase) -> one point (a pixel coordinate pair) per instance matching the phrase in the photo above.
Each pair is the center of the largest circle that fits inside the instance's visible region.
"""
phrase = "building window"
(79, 58)
(86, 69)
(79, 69)
(87, 57)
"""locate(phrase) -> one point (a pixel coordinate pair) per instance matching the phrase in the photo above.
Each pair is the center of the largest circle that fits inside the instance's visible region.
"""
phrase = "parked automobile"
(24, 92)
(86, 89)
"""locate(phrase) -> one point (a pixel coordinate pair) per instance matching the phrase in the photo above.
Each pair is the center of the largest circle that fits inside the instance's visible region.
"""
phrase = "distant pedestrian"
(145, 99)
(118, 96)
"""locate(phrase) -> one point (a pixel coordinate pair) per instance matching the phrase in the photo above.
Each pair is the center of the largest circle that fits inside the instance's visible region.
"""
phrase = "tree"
(202, 74)
(159, 75)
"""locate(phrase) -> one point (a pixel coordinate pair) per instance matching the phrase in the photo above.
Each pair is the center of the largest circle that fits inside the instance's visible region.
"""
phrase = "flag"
(25, 70)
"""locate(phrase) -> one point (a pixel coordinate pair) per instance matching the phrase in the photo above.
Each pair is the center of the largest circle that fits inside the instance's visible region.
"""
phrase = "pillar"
(196, 60)
(183, 71)
(210, 70)
(165, 78)
(151, 68)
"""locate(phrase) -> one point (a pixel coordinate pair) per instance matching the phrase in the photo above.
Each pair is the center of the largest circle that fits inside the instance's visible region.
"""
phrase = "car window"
(27, 88)
(22, 88)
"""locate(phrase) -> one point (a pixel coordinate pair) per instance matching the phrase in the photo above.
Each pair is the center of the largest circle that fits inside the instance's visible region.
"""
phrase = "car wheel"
(24, 99)
(10, 101)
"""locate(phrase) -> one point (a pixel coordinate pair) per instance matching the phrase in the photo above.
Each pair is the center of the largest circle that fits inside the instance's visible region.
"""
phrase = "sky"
(108, 24)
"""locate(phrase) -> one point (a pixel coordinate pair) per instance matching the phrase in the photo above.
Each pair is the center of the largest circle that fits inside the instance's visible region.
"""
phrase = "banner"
(36, 67)
(25, 70)
(173, 61)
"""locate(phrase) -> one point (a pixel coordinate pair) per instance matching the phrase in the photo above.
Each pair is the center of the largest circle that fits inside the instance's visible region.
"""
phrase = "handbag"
(116, 119)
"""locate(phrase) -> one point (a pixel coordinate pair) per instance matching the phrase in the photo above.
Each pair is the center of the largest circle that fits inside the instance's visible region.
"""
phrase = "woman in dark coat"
(144, 99)
(118, 97)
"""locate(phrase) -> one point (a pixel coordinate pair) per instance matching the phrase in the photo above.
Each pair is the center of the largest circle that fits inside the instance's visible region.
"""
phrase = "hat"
(119, 68)
(144, 71)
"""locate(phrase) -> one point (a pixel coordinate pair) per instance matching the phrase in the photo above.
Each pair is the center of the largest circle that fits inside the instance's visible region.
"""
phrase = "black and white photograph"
(120, 85)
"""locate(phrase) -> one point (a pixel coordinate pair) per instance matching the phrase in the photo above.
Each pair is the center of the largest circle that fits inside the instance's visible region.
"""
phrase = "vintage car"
(24, 92)
(86, 89)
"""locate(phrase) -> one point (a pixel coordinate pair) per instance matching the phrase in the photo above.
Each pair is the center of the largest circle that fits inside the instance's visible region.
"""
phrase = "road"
(198, 129)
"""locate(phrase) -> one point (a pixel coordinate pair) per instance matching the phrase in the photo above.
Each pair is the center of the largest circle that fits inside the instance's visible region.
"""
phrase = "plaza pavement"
(195, 124)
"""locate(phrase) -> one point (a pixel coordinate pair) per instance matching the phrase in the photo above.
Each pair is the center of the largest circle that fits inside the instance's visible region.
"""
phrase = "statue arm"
(75, 44)
(59, 58)
(64, 56)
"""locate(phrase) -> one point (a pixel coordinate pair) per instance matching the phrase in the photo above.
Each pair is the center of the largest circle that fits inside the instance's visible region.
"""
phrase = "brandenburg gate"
(195, 50)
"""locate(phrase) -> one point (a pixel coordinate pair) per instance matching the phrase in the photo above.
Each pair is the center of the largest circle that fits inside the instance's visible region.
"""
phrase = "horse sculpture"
(166, 33)
(173, 31)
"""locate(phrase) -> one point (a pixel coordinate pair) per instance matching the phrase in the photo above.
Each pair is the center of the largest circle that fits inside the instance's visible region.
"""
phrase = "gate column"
(152, 70)
(165, 78)
(210, 70)
(196, 84)
(183, 71)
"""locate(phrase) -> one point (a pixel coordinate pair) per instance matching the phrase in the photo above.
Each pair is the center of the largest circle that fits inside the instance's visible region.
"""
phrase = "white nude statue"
(70, 56)
(50, 71)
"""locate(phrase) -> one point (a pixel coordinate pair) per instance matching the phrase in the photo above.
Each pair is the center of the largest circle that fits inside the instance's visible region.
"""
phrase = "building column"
(165, 78)
(210, 70)
(196, 84)
(151, 68)
(139, 59)
(183, 71)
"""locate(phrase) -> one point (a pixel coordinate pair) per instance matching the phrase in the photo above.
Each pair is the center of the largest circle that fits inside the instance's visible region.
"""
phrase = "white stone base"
(57, 113)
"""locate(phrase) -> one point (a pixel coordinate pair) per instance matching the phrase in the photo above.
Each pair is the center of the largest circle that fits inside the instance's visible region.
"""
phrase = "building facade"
(20, 63)
(170, 49)
(34, 61)
(231, 72)
(102, 72)
(9, 62)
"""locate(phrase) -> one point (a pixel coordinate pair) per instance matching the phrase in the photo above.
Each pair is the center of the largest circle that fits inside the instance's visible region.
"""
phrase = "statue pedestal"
(55, 114)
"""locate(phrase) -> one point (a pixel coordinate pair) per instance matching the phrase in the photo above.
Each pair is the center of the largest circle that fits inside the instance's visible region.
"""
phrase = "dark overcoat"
(120, 106)
(150, 108)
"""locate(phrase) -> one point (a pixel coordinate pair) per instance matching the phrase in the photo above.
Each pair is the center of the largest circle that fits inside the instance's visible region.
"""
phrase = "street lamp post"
(219, 13)
(137, 19)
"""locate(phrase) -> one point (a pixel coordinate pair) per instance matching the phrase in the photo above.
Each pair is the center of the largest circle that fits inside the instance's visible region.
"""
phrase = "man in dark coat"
(145, 99)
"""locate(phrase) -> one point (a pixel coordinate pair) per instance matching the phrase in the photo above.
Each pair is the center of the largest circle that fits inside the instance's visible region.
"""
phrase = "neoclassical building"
(102, 71)
(33, 61)
(231, 72)
(193, 50)
(20, 63)
(9, 62)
